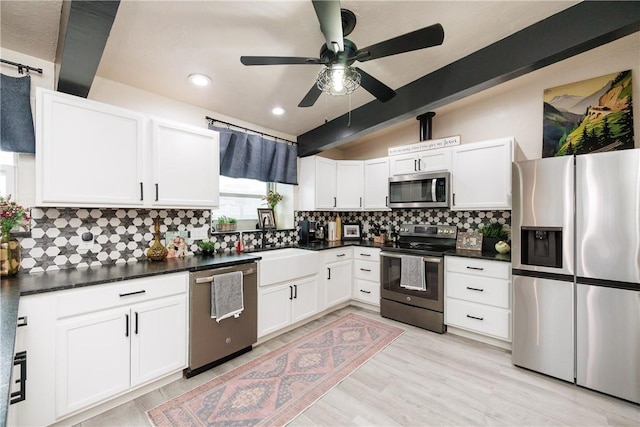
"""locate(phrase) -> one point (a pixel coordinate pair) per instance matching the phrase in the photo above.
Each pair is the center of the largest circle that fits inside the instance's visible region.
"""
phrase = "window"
(240, 198)
(7, 174)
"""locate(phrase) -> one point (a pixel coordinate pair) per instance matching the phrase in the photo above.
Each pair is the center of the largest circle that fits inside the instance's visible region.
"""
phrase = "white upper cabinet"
(325, 183)
(91, 154)
(87, 153)
(185, 163)
(481, 175)
(376, 184)
(420, 162)
(349, 184)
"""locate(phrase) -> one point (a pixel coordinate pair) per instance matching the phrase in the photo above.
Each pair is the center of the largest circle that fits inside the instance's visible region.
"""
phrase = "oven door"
(432, 298)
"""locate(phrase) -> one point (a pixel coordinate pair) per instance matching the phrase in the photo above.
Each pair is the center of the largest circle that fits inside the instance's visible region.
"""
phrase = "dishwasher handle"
(209, 279)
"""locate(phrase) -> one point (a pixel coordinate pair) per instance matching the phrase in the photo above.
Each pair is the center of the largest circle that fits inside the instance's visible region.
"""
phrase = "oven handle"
(209, 279)
(425, 259)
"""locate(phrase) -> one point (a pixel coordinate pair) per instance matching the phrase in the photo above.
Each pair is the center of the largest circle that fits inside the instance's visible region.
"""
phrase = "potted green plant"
(226, 223)
(207, 247)
(492, 233)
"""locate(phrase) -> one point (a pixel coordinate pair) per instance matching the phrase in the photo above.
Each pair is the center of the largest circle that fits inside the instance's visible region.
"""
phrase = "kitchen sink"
(282, 265)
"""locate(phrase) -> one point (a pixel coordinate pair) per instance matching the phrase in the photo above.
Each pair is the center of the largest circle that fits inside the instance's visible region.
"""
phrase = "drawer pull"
(365, 269)
(365, 292)
(22, 321)
(341, 255)
(475, 268)
(474, 317)
(365, 254)
(475, 289)
(132, 293)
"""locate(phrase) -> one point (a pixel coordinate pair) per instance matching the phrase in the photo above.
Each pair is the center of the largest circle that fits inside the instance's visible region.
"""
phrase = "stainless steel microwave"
(424, 190)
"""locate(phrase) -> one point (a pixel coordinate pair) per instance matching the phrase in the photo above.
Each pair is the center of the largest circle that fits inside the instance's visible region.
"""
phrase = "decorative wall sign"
(431, 144)
(470, 241)
(590, 116)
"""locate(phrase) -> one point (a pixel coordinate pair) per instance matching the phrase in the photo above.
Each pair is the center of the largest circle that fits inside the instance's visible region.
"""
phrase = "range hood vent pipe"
(425, 125)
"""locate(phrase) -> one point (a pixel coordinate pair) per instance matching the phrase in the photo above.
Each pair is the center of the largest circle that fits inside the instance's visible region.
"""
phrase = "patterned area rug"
(274, 388)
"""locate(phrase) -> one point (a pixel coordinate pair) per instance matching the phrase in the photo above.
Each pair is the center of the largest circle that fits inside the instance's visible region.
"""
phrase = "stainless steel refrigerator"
(576, 269)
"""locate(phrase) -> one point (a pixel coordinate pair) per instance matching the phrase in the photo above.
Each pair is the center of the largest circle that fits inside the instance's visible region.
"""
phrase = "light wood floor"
(422, 378)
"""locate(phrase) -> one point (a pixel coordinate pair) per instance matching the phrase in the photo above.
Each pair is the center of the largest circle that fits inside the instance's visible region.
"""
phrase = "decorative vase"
(10, 255)
(157, 251)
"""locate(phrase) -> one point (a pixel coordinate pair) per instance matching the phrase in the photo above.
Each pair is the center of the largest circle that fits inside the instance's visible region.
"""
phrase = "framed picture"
(176, 243)
(470, 241)
(266, 218)
(351, 231)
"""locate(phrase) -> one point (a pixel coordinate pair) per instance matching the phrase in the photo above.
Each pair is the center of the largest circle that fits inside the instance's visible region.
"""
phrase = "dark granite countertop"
(27, 284)
(491, 256)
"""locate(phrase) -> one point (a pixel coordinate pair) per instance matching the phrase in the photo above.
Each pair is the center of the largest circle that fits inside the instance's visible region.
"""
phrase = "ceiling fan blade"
(328, 13)
(419, 39)
(279, 60)
(375, 87)
(311, 97)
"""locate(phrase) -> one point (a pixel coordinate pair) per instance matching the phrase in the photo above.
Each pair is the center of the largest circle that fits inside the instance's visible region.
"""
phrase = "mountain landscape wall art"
(590, 116)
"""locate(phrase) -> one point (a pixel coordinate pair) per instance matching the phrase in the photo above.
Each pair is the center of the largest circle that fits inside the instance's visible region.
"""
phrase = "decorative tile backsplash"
(124, 235)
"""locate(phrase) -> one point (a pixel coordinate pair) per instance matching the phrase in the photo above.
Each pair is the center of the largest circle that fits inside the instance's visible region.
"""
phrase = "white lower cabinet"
(478, 296)
(282, 305)
(337, 275)
(366, 275)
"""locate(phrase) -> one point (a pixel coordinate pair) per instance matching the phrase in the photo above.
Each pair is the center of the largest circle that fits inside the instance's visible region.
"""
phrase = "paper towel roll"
(331, 231)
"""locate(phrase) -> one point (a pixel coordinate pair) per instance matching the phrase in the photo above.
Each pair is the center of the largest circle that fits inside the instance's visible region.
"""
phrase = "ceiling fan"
(338, 54)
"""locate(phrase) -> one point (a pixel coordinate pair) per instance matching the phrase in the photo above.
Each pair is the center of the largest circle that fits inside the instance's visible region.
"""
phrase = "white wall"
(513, 108)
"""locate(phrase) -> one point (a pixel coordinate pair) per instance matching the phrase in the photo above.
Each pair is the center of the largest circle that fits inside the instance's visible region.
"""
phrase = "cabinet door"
(376, 183)
(481, 175)
(338, 282)
(434, 160)
(87, 153)
(92, 359)
(158, 338)
(305, 302)
(274, 308)
(325, 183)
(349, 184)
(403, 164)
(186, 166)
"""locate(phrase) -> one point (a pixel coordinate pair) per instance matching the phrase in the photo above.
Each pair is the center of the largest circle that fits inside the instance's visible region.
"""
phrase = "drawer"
(366, 291)
(479, 267)
(478, 318)
(483, 290)
(342, 254)
(101, 297)
(366, 254)
(366, 270)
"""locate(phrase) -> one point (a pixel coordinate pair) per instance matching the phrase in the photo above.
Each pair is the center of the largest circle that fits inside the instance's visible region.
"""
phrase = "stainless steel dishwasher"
(212, 343)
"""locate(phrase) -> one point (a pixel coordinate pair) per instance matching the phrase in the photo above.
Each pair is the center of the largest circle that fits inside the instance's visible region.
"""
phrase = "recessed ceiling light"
(278, 111)
(199, 79)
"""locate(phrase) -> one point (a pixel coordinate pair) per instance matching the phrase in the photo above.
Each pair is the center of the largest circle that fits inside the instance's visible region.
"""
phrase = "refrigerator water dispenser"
(542, 246)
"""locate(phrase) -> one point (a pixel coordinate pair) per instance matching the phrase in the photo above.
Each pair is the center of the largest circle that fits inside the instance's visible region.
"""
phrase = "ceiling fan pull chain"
(349, 123)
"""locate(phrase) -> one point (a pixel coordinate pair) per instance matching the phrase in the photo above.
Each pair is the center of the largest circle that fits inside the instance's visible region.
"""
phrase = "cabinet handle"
(126, 328)
(141, 192)
(360, 201)
(340, 255)
(329, 273)
(20, 395)
(474, 317)
(290, 292)
(475, 289)
(454, 199)
(132, 293)
(415, 168)
(475, 268)
(295, 289)
(365, 269)
(365, 292)
(386, 201)
(156, 191)
(335, 202)
(365, 254)
(136, 321)
(419, 166)
(22, 321)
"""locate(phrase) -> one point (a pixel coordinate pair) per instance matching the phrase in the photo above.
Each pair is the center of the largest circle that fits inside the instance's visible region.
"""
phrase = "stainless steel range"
(412, 275)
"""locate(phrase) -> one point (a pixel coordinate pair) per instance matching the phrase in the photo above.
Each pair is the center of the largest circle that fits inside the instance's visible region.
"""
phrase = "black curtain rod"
(22, 67)
(212, 120)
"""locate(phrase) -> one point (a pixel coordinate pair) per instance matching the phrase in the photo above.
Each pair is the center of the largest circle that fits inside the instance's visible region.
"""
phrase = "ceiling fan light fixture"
(338, 80)
(200, 80)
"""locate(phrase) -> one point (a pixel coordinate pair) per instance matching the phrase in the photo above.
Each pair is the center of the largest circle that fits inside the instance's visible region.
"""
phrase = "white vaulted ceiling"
(155, 45)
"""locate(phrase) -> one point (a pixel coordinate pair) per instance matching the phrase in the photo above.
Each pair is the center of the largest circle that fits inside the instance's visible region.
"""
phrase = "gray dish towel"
(412, 273)
(226, 295)
(16, 123)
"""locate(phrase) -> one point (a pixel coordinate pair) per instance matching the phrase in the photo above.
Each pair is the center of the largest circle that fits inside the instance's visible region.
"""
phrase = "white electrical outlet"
(86, 240)
(199, 233)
